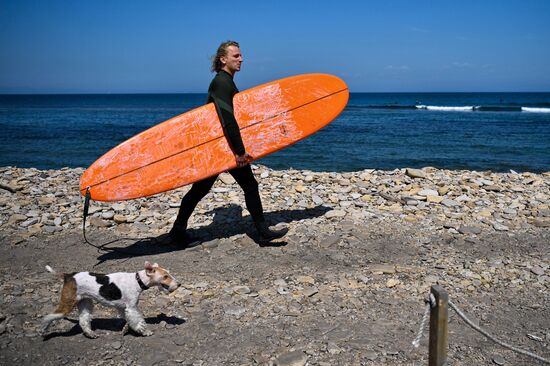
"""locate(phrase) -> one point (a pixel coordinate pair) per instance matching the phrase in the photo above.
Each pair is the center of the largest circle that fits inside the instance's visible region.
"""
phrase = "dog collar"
(140, 282)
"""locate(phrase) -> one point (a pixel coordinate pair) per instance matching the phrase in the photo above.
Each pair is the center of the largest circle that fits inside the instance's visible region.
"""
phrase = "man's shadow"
(227, 221)
(112, 324)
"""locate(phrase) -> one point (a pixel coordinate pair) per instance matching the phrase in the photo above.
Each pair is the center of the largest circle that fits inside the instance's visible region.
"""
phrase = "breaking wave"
(479, 108)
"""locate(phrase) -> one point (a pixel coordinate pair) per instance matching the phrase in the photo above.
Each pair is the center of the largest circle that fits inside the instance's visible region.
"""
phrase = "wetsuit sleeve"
(222, 96)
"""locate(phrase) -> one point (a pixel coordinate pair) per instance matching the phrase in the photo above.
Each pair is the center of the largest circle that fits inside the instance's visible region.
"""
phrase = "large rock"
(415, 173)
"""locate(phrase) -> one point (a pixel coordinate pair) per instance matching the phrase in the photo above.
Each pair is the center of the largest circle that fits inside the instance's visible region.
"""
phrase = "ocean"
(476, 131)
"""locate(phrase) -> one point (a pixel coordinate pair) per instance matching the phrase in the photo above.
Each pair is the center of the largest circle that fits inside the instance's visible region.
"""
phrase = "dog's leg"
(48, 319)
(136, 322)
(122, 313)
(86, 307)
(66, 304)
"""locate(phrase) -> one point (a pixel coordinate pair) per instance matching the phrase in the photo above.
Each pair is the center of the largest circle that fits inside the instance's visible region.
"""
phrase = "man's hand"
(243, 160)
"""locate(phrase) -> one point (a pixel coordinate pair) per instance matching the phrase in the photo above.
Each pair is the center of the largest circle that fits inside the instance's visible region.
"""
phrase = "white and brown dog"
(120, 290)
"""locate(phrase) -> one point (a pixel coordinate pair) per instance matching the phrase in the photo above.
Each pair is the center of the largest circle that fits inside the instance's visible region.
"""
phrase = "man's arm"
(222, 95)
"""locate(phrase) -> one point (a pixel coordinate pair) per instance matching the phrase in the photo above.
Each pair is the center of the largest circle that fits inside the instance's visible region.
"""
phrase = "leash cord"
(102, 246)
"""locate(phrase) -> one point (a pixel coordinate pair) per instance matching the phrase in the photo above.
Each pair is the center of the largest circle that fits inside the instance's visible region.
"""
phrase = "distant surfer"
(225, 63)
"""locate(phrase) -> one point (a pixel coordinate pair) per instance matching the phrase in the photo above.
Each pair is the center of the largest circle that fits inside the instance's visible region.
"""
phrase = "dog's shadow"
(227, 221)
(113, 325)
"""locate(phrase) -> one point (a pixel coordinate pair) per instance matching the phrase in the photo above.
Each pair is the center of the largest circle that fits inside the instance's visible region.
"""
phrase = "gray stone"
(382, 268)
(537, 270)
(335, 213)
(30, 222)
(500, 227)
(538, 222)
(241, 290)
(428, 192)
(227, 178)
(499, 360)
(469, 230)
(236, 311)
(449, 203)
(99, 222)
(415, 173)
(108, 215)
(295, 358)
(118, 206)
(317, 200)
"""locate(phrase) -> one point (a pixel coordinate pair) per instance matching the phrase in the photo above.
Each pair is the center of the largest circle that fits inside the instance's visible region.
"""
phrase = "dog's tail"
(52, 271)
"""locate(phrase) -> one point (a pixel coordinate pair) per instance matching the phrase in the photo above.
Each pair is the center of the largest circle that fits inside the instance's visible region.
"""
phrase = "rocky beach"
(345, 286)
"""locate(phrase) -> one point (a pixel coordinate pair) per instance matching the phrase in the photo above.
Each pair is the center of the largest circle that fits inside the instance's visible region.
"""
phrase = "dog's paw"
(146, 333)
(91, 335)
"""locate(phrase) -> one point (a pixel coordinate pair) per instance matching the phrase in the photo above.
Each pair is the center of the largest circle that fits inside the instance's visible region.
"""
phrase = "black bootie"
(269, 234)
(179, 236)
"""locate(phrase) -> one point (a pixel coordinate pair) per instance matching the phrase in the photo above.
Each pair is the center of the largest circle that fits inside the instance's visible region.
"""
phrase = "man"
(226, 63)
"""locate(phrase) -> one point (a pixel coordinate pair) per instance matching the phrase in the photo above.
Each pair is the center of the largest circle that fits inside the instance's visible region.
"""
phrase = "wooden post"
(439, 317)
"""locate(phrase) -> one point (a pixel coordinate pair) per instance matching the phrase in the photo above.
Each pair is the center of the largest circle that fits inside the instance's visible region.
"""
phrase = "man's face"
(232, 60)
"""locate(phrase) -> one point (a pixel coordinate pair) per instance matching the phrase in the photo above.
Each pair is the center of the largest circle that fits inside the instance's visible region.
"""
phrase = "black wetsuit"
(221, 92)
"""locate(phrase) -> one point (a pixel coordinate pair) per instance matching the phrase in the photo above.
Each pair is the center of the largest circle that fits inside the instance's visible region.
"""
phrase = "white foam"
(535, 110)
(445, 108)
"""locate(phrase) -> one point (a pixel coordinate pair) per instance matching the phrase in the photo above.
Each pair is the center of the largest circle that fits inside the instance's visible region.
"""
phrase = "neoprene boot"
(269, 234)
(179, 236)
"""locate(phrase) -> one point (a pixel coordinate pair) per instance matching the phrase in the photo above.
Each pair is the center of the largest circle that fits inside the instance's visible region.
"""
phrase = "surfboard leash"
(101, 247)
(87, 198)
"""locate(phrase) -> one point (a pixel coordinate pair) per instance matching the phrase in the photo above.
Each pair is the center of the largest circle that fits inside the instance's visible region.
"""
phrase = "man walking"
(226, 63)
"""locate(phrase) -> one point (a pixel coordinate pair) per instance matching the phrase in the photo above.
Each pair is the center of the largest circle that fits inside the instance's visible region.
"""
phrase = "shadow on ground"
(112, 325)
(227, 221)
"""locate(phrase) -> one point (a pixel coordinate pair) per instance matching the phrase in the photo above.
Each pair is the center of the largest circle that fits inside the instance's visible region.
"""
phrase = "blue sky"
(134, 46)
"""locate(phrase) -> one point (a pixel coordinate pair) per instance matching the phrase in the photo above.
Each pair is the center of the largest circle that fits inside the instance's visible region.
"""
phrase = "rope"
(430, 302)
(505, 345)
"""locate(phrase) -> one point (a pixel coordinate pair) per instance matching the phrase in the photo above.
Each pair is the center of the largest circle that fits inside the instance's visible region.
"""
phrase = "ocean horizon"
(474, 131)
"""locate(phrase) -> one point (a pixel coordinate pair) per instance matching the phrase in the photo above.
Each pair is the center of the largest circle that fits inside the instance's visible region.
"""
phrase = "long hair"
(222, 51)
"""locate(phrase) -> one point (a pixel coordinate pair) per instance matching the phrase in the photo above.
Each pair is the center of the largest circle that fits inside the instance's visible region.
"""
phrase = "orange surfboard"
(192, 146)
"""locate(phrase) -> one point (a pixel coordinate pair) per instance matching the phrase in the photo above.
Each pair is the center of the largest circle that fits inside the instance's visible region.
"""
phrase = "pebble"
(382, 269)
(469, 230)
(294, 358)
(500, 227)
(415, 173)
(108, 215)
(335, 213)
(392, 282)
(236, 311)
(538, 270)
(428, 192)
(227, 179)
